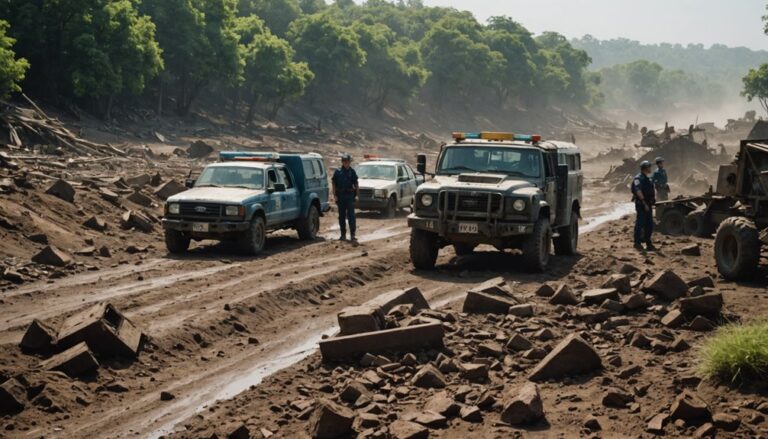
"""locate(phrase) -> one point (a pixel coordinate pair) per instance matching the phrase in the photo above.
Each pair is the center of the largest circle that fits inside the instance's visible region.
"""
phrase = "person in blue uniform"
(660, 181)
(345, 190)
(644, 196)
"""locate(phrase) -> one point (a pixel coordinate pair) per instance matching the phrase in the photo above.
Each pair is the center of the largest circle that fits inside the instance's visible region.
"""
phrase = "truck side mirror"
(279, 187)
(562, 170)
(189, 183)
(421, 163)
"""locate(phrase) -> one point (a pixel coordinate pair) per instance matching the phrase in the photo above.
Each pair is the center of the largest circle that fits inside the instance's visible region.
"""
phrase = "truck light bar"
(374, 157)
(226, 156)
(496, 136)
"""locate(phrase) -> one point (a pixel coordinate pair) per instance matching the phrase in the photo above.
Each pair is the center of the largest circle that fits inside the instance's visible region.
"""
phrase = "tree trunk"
(110, 103)
(251, 109)
(160, 97)
(276, 105)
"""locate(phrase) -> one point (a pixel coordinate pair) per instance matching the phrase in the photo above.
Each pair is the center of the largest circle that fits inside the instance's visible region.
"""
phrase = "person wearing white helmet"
(345, 190)
(660, 181)
(644, 196)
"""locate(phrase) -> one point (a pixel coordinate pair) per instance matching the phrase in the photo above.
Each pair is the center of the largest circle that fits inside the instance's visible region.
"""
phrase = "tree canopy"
(12, 69)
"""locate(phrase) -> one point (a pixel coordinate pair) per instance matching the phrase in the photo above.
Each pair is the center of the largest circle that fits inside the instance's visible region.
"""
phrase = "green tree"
(330, 49)
(513, 67)
(567, 59)
(271, 75)
(12, 69)
(309, 7)
(200, 45)
(756, 86)
(277, 14)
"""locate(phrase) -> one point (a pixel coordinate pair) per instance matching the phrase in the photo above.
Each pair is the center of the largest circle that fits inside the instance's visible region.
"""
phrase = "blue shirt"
(659, 178)
(345, 180)
(641, 183)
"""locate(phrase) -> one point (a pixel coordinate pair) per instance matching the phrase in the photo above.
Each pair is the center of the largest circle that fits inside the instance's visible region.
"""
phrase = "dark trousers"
(346, 205)
(643, 224)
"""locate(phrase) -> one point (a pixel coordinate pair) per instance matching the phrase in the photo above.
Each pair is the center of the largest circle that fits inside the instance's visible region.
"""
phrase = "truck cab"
(509, 191)
(386, 185)
(246, 195)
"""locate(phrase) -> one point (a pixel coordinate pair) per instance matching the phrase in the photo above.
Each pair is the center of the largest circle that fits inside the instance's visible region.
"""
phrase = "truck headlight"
(232, 211)
(519, 205)
(426, 200)
(173, 208)
(381, 193)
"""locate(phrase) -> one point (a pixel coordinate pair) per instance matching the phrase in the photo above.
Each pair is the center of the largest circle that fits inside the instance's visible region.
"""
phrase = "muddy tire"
(176, 242)
(255, 237)
(391, 209)
(463, 249)
(737, 248)
(423, 249)
(698, 224)
(309, 227)
(537, 246)
(567, 243)
(672, 222)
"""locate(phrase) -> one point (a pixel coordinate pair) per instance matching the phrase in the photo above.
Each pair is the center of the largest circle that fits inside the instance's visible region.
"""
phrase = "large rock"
(106, 330)
(621, 282)
(39, 337)
(139, 198)
(572, 356)
(12, 397)
(137, 220)
(169, 189)
(428, 377)
(524, 407)
(330, 420)
(673, 319)
(405, 339)
(63, 190)
(96, 223)
(691, 409)
(666, 284)
(598, 296)
(75, 361)
(407, 430)
(51, 255)
(360, 319)
(518, 343)
(481, 303)
(138, 181)
(410, 296)
(442, 404)
(707, 305)
(564, 296)
(199, 149)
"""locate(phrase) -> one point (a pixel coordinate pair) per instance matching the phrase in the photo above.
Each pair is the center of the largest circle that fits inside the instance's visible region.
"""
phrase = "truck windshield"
(231, 176)
(502, 160)
(376, 172)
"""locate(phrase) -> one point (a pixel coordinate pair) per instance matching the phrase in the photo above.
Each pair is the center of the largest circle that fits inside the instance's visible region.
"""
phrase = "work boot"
(650, 247)
(343, 236)
(352, 237)
(639, 247)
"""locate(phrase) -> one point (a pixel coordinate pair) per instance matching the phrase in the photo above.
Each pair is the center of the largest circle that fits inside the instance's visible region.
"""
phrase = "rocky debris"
(572, 356)
(166, 396)
(691, 250)
(110, 196)
(138, 181)
(63, 190)
(617, 398)
(490, 297)
(443, 405)
(139, 198)
(691, 409)
(471, 414)
(76, 361)
(518, 343)
(621, 282)
(96, 223)
(406, 339)
(701, 323)
(38, 337)
(360, 319)
(705, 430)
(726, 422)
(524, 407)
(12, 397)
(656, 424)
(524, 310)
(401, 429)
(53, 256)
(428, 377)
(673, 319)
(427, 419)
(105, 329)
(600, 295)
(703, 282)
(199, 149)
(564, 296)
(169, 189)
(410, 296)
(592, 423)
(475, 372)
(137, 220)
(635, 302)
(330, 420)
(545, 290)
(707, 305)
(666, 284)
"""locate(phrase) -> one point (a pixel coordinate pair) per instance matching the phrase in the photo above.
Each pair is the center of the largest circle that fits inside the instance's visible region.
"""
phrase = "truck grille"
(200, 210)
(365, 193)
(469, 203)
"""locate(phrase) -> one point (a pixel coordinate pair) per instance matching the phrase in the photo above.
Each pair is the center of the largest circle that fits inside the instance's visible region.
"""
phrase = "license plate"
(467, 228)
(199, 227)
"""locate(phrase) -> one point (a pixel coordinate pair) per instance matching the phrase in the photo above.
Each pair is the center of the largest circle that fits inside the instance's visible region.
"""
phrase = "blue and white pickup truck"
(246, 195)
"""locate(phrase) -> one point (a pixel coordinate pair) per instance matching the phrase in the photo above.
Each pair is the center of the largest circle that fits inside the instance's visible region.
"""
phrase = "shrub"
(737, 352)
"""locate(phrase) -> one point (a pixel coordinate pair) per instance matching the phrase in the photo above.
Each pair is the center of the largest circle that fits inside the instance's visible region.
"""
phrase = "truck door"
(412, 185)
(550, 183)
(274, 205)
(564, 184)
(289, 198)
(402, 185)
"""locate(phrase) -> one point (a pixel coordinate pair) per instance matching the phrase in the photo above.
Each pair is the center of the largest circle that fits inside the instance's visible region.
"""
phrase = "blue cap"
(659, 160)
(645, 164)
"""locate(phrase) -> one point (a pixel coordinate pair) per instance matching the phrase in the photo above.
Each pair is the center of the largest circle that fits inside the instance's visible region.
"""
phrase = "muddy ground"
(232, 339)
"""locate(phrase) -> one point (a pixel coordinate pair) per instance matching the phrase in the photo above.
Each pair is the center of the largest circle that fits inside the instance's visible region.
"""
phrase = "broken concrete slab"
(76, 361)
(63, 190)
(12, 397)
(572, 356)
(524, 310)
(621, 282)
(96, 223)
(496, 287)
(401, 429)
(564, 296)
(704, 282)
(599, 295)
(691, 250)
(106, 330)
(691, 409)
(169, 189)
(406, 339)
(360, 319)
(330, 420)
(108, 195)
(137, 220)
(666, 284)
(477, 302)
(409, 296)
(140, 198)
(138, 181)
(518, 343)
(199, 149)
(709, 305)
(38, 337)
(673, 319)
(523, 407)
(53, 256)
(428, 377)
(635, 301)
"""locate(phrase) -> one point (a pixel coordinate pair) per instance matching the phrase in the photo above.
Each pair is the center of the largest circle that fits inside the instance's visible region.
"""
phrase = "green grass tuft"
(737, 353)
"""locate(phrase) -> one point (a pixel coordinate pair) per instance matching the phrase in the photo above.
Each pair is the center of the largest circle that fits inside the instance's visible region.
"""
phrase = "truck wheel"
(568, 241)
(463, 249)
(536, 247)
(697, 224)
(672, 222)
(391, 209)
(737, 248)
(423, 249)
(255, 237)
(309, 226)
(176, 242)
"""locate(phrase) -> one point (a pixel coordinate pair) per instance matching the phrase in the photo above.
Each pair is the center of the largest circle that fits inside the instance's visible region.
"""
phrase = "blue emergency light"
(496, 136)
(228, 156)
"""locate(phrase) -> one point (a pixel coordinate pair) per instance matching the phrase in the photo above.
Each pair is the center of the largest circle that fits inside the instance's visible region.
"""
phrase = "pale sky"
(728, 22)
